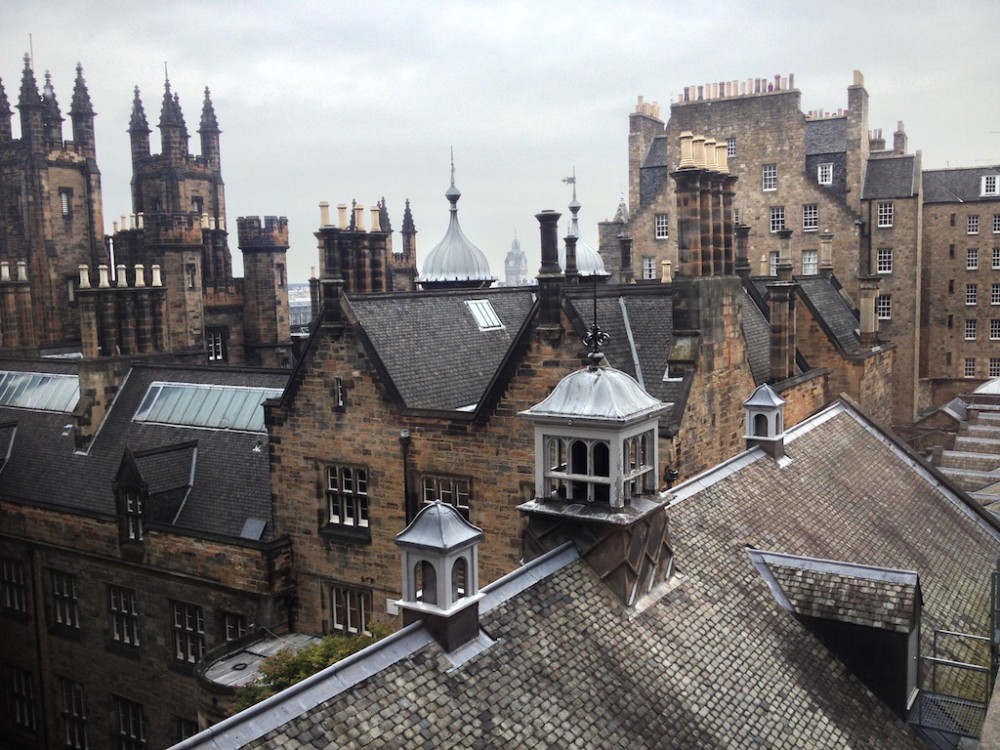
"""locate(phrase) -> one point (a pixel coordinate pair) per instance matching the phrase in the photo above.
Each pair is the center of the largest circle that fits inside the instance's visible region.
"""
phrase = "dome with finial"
(455, 263)
(597, 394)
(588, 260)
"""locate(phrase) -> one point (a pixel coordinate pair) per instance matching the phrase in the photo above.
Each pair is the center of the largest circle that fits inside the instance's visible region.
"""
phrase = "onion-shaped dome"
(597, 394)
(588, 260)
(455, 263)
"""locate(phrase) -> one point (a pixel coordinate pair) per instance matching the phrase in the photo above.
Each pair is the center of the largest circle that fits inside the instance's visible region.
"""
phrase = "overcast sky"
(338, 100)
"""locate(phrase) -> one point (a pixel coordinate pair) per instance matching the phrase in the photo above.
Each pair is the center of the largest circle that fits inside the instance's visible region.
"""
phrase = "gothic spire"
(179, 114)
(29, 87)
(4, 103)
(383, 216)
(81, 104)
(408, 227)
(138, 120)
(209, 124)
(168, 113)
(49, 101)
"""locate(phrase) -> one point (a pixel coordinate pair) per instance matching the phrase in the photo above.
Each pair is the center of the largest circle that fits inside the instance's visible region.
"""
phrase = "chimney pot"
(84, 276)
(4, 271)
(376, 219)
(122, 277)
(102, 273)
(324, 214)
(140, 275)
(359, 218)
(342, 215)
(157, 281)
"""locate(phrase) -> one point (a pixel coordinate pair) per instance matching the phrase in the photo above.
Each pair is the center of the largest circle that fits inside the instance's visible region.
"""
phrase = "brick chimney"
(550, 276)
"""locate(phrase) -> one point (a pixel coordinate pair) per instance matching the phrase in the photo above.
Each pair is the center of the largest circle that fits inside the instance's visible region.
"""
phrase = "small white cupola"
(440, 566)
(596, 439)
(765, 421)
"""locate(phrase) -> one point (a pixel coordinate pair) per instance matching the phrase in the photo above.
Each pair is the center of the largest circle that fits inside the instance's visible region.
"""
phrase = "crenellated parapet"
(271, 234)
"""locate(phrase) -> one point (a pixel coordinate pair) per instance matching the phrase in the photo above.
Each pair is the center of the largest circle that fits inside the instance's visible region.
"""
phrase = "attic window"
(42, 391)
(486, 317)
(991, 185)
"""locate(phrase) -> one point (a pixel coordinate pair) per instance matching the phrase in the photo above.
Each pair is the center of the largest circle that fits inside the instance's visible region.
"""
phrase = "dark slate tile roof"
(658, 154)
(890, 177)
(639, 321)
(826, 136)
(757, 334)
(835, 314)
(872, 597)
(956, 185)
(231, 480)
(417, 337)
(169, 472)
(714, 662)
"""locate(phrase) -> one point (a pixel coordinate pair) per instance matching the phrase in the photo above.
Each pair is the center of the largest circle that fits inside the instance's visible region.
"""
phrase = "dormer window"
(578, 469)
(133, 511)
(991, 185)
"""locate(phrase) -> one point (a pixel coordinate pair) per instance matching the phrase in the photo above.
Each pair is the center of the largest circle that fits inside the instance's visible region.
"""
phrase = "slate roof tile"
(890, 177)
(827, 136)
(956, 185)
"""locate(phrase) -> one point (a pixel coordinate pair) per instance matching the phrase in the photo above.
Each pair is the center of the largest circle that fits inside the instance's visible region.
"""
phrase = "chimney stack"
(550, 276)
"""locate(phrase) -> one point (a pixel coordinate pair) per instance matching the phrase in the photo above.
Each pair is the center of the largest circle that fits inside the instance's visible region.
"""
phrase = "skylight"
(39, 390)
(486, 317)
(217, 407)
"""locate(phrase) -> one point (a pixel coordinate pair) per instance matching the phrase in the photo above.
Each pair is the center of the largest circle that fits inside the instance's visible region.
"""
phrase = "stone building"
(817, 173)
(121, 564)
(709, 615)
(53, 244)
(960, 280)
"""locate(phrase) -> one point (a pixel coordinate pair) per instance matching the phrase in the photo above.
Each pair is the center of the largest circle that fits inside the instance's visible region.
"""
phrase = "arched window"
(760, 425)
(459, 573)
(425, 582)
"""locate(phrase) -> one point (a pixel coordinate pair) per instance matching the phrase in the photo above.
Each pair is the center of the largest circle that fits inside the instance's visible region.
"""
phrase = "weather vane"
(595, 338)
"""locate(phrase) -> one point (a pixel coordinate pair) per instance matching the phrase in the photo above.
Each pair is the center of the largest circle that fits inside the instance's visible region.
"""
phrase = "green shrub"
(287, 667)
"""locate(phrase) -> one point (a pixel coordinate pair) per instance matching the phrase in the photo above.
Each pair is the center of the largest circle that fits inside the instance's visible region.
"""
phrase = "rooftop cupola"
(440, 566)
(455, 263)
(588, 261)
(765, 421)
(52, 118)
(596, 477)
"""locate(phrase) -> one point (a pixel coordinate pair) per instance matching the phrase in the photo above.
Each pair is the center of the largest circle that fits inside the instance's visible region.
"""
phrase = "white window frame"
(995, 329)
(769, 177)
(969, 367)
(824, 173)
(971, 295)
(64, 602)
(124, 611)
(996, 258)
(776, 215)
(131, 724)
(883, 307)
(810, 217)
(990, 185)
(347, 501)
(187, 624)
(810, 262)
(13, 585)
(484, 314)
(972, 224)
(884, 211)
(972, 259)
(351, 609)
(731, 147)
(453, 491)
(995, 367)
(883, 260)
(996, 223)
(661, 226)
(648, 267)
(772, 262)
(995, 294)
(74, 714)
(971, 329)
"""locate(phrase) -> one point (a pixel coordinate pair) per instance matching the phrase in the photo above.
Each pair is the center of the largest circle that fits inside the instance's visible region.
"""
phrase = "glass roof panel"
(39, 390)
(219, 407)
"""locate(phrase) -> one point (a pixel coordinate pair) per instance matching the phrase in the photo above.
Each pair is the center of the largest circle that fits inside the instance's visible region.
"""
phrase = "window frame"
(883, 307)
(971, 295)
(123, 611)
(824, 173)
(131, 732)
(994, 367)
(996, 223)
(972, 259)
(810, 262)
(995, 259)
(769, 177)
(72, 713)
(13, 586)
(989, 185)
(455, 491)
(971, 329)
(21, 688)
(648, 267)
(995, 294)
(810, 217)
(65, 605)
(995, 329)
(884, 214)
(972, 224)
(776, 213)
(187, 630)
(661, 226)
(731, 147)
(347, 505)
(215, 344)
(883, 260)
(66, 203)
(234, 625)
(969, 367)
(350, 609)
(562, 476)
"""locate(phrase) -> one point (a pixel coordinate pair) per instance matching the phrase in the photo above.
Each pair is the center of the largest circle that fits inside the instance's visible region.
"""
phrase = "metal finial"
(453, 166)
(595, 338)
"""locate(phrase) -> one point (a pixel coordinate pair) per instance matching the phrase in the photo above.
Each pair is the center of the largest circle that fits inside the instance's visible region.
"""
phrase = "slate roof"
(231, 479)
(417, 336)
(956, 185)
(714, 662)
(757, 335)
(821, 294)
(826, 136)
(890, 177)
(658, 153)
